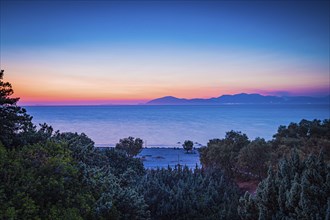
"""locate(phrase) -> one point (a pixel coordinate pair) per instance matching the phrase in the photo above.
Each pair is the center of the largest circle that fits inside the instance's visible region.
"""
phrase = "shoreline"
(165, 146)
(163, 157)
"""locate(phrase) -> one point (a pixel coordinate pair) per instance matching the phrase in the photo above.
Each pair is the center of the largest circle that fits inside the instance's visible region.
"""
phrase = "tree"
(307, 137)
(14, 121)
(223, 153)
(121, 163)
(254, 158)
(131, 146)
(188, 145)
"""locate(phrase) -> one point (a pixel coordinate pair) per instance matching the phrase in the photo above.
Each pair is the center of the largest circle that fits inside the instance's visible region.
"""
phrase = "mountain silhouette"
(241, 98)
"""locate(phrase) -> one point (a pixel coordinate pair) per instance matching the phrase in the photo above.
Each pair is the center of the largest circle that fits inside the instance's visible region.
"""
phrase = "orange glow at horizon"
(131, 77)
(89, 93)
(32, 97)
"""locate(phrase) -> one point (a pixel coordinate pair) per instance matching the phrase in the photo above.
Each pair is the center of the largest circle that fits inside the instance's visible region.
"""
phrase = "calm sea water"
(165, 126)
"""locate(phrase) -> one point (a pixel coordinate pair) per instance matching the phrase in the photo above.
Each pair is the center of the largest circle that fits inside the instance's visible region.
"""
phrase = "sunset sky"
(84, 52)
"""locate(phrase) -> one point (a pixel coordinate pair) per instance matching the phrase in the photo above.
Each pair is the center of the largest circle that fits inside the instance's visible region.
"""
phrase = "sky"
(128, 52)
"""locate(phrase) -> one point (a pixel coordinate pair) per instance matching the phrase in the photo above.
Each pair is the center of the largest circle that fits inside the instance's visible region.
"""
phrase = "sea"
(164, 128)
(169, 126)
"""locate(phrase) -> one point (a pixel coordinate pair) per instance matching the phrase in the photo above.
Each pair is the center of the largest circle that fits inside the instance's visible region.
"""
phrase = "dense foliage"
(131, 146)
(292, 189)
(181, 193)
(296, 190)
(238, 156)
(65, 177)
(307, 137)
(223, 153)
(254, 158)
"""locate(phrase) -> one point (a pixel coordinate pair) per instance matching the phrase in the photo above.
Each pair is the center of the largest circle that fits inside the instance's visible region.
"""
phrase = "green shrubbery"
(181, 193)
(238, 156)
(296, 190)
(53, 178)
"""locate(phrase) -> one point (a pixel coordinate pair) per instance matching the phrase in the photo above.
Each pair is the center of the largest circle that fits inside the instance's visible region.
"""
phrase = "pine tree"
(297, 190)
(247, 207)
(15, 123)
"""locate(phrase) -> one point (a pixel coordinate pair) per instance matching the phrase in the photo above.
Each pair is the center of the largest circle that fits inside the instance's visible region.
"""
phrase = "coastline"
(162, 157)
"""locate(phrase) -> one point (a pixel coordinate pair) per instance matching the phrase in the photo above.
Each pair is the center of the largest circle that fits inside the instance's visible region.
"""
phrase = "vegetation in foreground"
(52, 175)
(239, 157)
(296, 190)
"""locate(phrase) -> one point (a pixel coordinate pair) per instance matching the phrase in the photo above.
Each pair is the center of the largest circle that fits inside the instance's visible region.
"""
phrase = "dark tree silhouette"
(188, 145)
(14, 121)
(132, 146)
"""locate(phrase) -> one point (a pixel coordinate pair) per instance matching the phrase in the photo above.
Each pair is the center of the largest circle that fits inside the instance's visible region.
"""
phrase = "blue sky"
(243, 46)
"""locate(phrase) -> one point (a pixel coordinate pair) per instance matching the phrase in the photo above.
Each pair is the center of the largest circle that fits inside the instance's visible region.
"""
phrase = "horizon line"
(92, 102)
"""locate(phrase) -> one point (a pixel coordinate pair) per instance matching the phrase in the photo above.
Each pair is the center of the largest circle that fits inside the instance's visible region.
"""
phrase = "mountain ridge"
(241, 98)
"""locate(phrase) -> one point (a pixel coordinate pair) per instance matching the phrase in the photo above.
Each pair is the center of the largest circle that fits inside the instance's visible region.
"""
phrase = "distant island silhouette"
(242, 98)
